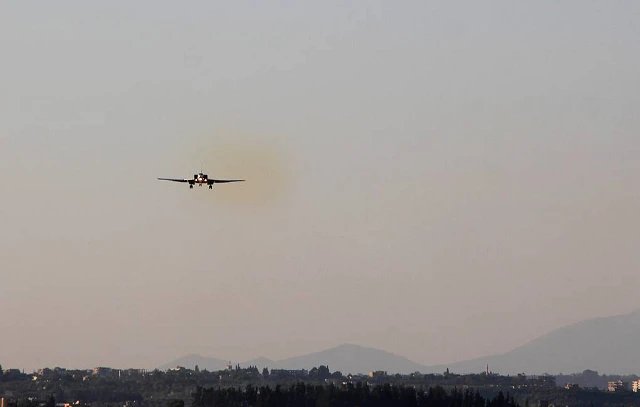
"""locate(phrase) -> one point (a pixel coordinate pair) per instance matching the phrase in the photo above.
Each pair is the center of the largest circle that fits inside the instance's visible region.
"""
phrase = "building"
(6, 403)
(616, 386)
(378, 373)
(635, 386)
(102, 371)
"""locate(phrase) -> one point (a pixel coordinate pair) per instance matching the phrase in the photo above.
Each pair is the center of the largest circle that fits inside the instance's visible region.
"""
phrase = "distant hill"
(607, 345)
(344, 358)
(352, 359)
(190, 362)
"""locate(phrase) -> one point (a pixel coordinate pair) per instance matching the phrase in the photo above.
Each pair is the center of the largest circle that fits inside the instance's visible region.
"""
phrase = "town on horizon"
(85, 387)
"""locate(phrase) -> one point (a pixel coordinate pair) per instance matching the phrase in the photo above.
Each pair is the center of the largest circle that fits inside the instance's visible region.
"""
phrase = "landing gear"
(210, 186)
(190, 186)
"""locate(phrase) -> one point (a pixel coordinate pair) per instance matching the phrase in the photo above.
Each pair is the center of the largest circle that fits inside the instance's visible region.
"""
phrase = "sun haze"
(263, 165)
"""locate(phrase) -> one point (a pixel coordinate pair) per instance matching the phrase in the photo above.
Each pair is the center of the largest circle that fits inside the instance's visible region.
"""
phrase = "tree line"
(362, 395)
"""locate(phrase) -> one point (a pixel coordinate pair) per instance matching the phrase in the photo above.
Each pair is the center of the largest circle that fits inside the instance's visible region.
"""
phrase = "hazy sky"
(442, 180)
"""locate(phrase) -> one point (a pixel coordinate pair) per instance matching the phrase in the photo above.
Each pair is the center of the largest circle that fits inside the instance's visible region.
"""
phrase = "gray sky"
(442, 180)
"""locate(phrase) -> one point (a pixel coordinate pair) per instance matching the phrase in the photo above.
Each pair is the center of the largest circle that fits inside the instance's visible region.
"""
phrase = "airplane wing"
(174, 179)
(222, 181)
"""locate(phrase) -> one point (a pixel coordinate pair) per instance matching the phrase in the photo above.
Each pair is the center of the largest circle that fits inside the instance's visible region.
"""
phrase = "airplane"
(201, 179)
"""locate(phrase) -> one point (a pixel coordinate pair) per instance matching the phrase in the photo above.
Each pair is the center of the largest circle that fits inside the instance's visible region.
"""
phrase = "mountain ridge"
(346, 358)
(606, 344)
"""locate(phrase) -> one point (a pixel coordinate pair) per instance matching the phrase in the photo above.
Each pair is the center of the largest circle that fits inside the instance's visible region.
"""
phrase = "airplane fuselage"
(200, 179)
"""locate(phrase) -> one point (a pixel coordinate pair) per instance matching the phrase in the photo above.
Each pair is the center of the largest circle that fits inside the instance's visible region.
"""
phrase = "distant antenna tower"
(487, 371)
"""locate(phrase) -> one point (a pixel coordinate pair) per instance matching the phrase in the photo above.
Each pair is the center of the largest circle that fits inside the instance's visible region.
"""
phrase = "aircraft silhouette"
(201, 179)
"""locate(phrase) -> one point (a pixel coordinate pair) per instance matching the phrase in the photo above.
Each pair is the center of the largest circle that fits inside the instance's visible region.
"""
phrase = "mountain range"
(606, 344)
(347, 358)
